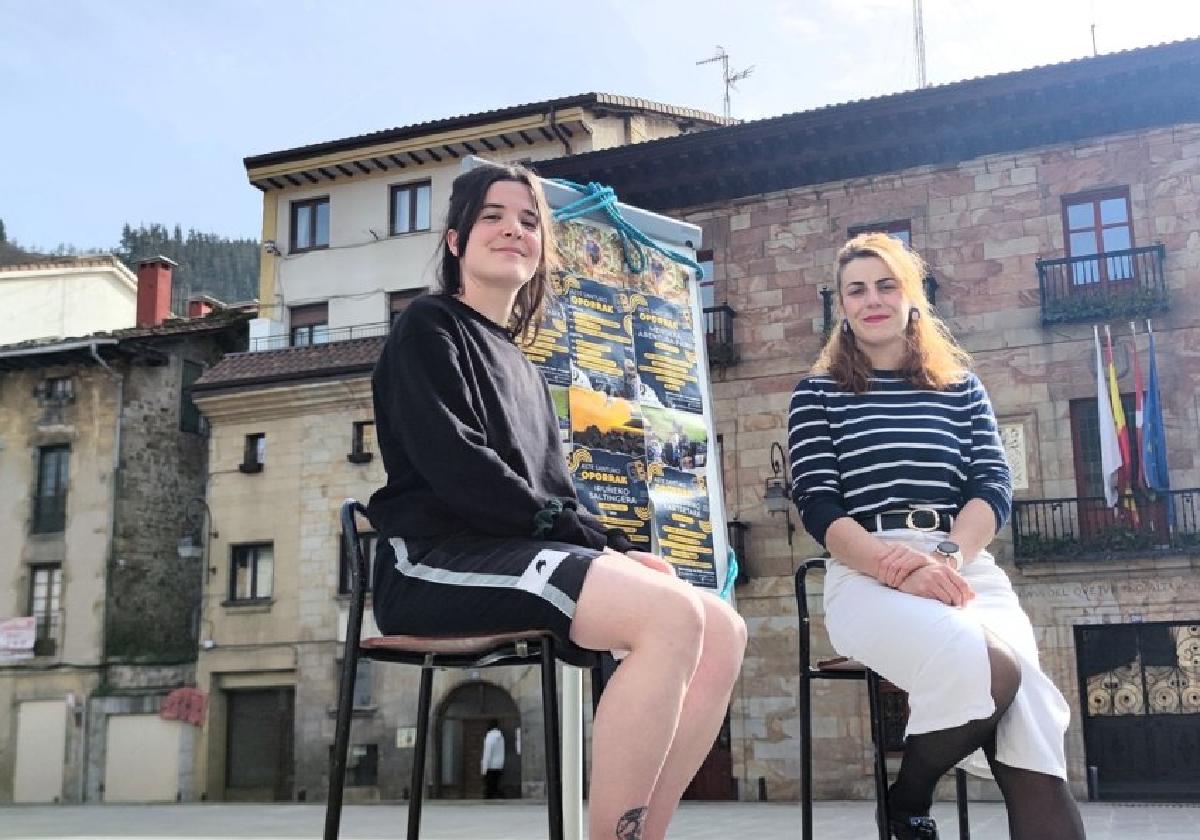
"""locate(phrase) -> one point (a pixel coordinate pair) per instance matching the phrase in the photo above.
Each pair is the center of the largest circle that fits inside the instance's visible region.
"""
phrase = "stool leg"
(875, 704)
(806, 787)
(416, 794)
(554, 803)
(341, 743)
(960, 796)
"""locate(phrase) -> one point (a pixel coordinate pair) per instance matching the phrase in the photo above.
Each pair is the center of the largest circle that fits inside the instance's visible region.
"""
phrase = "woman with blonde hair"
(898, 470)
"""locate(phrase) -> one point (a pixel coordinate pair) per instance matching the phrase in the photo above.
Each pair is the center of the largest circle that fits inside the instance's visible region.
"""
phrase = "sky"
(141, 111)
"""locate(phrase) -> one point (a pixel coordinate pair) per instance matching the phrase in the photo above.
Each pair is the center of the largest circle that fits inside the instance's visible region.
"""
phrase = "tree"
(224, 268)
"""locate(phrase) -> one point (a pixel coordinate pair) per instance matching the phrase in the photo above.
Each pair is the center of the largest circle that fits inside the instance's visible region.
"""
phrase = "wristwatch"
(951, 553)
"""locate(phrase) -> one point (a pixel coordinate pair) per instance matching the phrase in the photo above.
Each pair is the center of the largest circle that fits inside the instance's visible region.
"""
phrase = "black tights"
(1039, 805)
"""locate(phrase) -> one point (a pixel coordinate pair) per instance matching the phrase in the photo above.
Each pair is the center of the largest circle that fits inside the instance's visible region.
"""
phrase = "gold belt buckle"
(911, 523)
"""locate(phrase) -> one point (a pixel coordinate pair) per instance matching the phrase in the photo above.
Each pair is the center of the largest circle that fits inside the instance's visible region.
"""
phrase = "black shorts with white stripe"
(473, 586)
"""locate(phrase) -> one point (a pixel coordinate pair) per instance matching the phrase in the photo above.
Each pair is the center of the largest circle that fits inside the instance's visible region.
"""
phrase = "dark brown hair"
(467, 196)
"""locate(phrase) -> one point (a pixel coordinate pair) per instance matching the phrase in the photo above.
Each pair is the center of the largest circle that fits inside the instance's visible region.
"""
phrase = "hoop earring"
(845, 327)
(914, 315)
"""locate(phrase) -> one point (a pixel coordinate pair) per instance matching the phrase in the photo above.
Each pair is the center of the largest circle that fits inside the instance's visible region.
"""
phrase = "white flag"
(1110, 447)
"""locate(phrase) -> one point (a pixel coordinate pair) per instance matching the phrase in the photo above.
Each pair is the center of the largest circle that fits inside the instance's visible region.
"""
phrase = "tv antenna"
(919, 42)
(731, 79)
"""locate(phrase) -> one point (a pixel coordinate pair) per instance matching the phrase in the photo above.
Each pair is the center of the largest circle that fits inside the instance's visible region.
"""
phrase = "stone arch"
(459, 726)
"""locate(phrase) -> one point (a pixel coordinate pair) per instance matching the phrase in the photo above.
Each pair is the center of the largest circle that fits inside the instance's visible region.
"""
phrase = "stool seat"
(454, 645)
(841, 663)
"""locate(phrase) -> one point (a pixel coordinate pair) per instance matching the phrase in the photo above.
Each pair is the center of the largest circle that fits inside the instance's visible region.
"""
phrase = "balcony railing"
(1128, 283)
(49, 514)
(1086, 529)
(718, 335)
(278, 342)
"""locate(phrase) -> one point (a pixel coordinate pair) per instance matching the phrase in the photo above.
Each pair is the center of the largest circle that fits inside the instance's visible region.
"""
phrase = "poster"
(665, 359)
(682, 523)
(551, 351)
(618, 350)
(613, 487)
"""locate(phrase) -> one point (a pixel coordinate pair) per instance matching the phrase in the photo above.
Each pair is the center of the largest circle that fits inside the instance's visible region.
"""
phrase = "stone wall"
(981, 225)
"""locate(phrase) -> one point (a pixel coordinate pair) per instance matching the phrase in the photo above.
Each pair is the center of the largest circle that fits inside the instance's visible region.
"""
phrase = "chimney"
(154, 290)
(198, 307)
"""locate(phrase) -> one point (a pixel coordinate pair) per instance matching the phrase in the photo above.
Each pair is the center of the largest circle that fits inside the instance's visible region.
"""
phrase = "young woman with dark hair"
(482, 530)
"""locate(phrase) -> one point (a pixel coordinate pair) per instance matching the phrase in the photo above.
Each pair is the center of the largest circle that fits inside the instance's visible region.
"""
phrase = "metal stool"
(525, 648)
(842, 668)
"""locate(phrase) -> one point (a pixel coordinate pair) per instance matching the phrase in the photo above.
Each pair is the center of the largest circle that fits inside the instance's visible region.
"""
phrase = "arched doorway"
(462, 722)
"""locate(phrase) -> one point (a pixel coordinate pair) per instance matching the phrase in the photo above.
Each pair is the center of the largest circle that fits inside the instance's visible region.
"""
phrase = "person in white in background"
(491, 763)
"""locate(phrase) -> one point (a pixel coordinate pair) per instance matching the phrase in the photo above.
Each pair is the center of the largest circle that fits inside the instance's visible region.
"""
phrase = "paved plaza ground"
(527, 821)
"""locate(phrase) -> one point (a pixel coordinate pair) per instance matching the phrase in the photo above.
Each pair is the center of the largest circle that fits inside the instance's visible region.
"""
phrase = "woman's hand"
(652, 561)
(898, 562)
(939, 582)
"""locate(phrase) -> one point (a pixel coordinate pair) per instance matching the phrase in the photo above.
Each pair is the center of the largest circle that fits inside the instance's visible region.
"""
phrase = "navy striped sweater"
(893, 447)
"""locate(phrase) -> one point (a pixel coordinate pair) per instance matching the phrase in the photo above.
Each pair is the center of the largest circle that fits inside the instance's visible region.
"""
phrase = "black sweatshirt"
(469, 436)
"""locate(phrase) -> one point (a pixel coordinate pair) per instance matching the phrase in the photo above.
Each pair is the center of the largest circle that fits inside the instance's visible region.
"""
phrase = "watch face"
(947, 547)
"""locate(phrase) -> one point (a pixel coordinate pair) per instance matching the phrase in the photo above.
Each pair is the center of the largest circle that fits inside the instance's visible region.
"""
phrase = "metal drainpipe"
(558, 132)
(119, 379)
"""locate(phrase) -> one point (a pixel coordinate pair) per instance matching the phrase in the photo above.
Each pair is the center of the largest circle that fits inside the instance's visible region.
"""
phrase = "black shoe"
(913, 828)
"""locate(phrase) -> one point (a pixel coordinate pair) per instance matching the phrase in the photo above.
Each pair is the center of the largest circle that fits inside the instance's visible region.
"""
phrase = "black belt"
(917, 519)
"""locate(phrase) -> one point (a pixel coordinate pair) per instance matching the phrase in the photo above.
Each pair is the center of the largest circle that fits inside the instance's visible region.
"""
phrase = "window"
(900, 229)
(254, 453)
(367, 543)
(363, 682)
(1098, 222)
(399, 301)
(252, 572)
(50, 496)
(45, 599)
(190, 418)
(410, 207)
(309, 324)
(310, 224)
(362, 765)
(362, 442)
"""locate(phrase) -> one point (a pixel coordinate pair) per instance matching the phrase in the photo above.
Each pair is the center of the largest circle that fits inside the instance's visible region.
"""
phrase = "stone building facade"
(989, 189)
(104, 459)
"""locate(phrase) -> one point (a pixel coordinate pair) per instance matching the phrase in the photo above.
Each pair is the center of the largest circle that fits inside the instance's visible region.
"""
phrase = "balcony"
(718, 335)
(1086, 530)
(1100, 287)
(279, 342)
(50, 514)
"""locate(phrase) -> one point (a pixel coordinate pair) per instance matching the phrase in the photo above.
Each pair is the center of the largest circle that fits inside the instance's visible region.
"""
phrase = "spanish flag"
(1124, 475)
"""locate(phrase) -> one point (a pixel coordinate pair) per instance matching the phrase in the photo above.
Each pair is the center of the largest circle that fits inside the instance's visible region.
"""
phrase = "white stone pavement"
(527, 821)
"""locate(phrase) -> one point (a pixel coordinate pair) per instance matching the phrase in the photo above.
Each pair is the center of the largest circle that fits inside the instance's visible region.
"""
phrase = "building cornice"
(286, 400)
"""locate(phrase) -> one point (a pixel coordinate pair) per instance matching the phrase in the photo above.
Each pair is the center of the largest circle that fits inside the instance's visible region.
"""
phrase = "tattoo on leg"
(629, 826)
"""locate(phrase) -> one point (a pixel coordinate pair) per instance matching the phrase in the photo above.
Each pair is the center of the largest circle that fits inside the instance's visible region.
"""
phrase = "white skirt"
(938, 655)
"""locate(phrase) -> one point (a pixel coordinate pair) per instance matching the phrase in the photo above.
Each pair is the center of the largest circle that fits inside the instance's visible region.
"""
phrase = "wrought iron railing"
(1101, 286)
(718, 334)
(278, 342)
(50, 514)
(1083, 529)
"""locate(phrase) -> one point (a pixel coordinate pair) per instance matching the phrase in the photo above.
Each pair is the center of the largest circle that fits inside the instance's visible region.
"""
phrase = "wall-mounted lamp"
(775, 494)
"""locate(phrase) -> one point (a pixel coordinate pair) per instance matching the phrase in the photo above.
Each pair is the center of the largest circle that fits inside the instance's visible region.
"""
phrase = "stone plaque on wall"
(1012, 435)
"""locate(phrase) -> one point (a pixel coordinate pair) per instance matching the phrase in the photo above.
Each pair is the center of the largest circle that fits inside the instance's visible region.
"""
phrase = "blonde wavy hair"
(932, 358)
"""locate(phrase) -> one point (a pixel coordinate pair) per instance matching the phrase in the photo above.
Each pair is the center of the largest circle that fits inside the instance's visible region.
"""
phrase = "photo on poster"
(613, 487)
(550, 351)
(590, 251)
(601, 343)
(682, 523)
(599, 421)
(562, 410)
(662, 278)
(675, 439)
(665, 356)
